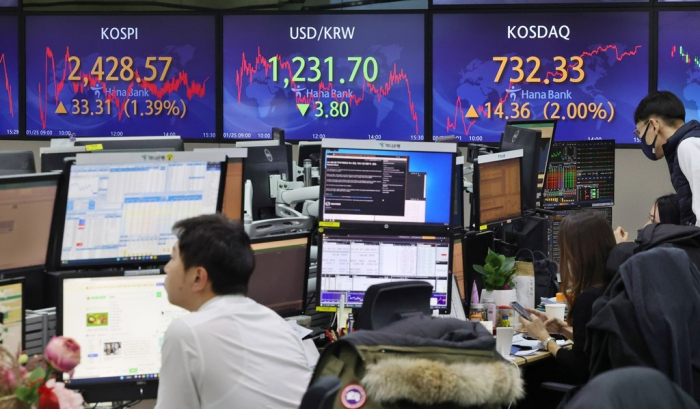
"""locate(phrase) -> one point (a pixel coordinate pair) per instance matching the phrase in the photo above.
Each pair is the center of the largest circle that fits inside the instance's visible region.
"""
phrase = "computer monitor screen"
(232, 206)
(279, 280)
(529, 141)
(26, 213)
(119, 323)
(351, 262)
(124, 213)
(9, 74)
(262, 166)
(580, 174)
(121, 75)
(554, 222)
(12, 315)
(588, 69)
(497, 188)
(547, 130)
(386, 186)
(350, 76)
(168, 144)
(16, 163)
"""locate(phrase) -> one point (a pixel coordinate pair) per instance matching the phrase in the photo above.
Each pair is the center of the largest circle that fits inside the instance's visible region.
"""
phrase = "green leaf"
(37, 374)
(490, 269)
(479, 269)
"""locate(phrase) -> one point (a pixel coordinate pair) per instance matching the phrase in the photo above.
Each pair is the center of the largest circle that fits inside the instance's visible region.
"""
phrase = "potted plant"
(498, 271)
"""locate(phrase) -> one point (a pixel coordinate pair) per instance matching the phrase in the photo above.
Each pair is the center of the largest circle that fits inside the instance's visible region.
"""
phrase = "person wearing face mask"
(661, 127)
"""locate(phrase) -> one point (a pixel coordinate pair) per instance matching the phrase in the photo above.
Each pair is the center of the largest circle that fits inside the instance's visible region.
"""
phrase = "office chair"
(388, 302)
(631, 388)
(321, 394)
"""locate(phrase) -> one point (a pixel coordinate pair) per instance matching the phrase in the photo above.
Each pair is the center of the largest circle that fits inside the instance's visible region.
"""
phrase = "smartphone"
(519, 308)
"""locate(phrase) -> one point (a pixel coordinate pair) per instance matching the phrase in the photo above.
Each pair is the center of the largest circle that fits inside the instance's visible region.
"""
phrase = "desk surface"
(526, 360)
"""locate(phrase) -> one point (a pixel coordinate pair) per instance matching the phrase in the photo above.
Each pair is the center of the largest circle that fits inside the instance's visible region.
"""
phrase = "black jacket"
(648, 316)
(690, 129)
(686, 238)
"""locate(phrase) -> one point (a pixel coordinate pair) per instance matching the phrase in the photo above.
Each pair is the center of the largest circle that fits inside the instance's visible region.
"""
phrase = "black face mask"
(649, 150)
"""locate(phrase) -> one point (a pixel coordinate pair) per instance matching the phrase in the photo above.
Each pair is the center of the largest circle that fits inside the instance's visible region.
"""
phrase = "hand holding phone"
(519, 308)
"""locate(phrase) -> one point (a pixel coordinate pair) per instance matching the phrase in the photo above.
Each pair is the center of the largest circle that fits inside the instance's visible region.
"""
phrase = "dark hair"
(219, 245)
(668, 209)
(664, 104)
(585, 240)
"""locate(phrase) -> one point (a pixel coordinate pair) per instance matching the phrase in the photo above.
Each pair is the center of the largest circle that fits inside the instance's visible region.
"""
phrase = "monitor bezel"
(341, 232)
(107, 390)
(37, 177)
(393, 146)
(60, 217)
(20, 281)
(477, 223)
(290, 312)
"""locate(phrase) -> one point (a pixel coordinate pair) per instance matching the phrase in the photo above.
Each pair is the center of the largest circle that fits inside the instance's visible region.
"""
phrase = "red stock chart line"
(8, 87)
(459, 114)
(89, 82)
(396, 78)
(685, 56)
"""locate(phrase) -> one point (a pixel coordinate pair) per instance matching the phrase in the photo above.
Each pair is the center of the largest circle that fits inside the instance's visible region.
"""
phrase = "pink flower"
(63, 354)
(8, 380)
(67, 399)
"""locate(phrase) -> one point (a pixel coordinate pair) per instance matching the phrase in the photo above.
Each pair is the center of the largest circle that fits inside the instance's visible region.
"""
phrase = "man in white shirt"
(230, 352)
(663, 133)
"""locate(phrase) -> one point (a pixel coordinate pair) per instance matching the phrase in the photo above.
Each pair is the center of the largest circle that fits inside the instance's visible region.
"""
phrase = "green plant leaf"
(490, 269)
(37, 374)
(479, 269)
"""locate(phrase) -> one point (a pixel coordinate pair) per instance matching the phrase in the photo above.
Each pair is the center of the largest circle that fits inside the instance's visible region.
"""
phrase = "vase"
(502, 297)
(11, 402)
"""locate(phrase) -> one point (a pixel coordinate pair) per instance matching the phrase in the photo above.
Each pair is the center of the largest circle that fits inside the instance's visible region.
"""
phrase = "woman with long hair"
(585, 240)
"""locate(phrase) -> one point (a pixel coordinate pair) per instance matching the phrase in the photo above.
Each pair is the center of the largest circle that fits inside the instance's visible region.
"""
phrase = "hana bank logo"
(390, 145)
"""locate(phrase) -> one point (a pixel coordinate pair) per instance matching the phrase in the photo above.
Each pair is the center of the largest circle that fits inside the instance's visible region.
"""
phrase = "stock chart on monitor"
(317, 76)
(559, 2)
(586, 70)
(9, 86)
(121, 76)
(679, 59)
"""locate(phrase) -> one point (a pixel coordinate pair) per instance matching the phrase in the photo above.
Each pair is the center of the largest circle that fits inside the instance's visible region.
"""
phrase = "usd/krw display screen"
(679, 59)
(9, 86)
(121, 76)
(316, 76)
(586, 70)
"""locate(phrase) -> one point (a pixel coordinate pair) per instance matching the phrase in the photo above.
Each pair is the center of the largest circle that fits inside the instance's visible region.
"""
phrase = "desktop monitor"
(350, 261)
(134, 143)
(16, 163)
(457, 219)
(12, 314)
(382, 184)
(262, 166)
(119, 322)
(548, 129)
(279, 280)
(580, 174)
(54, 159)
(26, 213)
(497, 188)
(119, 208)
(529, 141)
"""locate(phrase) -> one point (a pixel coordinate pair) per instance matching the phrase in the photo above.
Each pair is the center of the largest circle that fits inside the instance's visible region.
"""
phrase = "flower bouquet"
(30, 383)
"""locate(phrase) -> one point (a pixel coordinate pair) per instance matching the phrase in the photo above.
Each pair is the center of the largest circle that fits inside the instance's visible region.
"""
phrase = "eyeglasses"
(642, 136)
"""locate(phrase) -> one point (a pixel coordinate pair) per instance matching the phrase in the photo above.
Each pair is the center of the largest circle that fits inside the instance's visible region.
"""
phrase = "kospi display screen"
(352, 76)
(586, 70)
(9, 3)
(121, 76)
(9, 86)
(679, 59)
